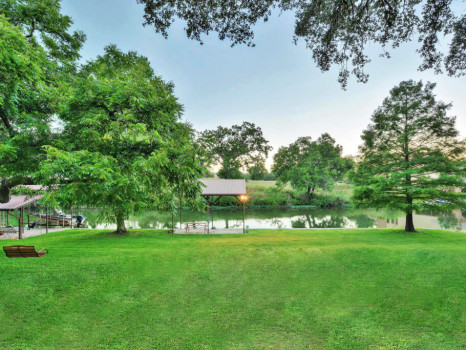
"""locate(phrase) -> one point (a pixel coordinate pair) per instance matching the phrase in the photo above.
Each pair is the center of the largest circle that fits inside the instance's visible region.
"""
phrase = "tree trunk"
(409, 226)
(121, 228)
(310, 191)
(4, 192)
(7, 185)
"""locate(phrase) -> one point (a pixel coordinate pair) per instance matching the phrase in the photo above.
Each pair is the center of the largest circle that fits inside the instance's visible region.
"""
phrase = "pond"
(291, 218)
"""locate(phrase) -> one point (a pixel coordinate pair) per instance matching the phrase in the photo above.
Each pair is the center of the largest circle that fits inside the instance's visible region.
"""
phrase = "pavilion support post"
(181, 209)
(29, 208)
(20, 223)
(212, 216)
(244, 216)
(173, 223)
(71, 222)
(8, 218)
(208, 218)
(47, 219)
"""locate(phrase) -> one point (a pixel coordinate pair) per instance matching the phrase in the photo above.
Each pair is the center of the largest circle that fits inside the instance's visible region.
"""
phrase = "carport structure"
(214, 189)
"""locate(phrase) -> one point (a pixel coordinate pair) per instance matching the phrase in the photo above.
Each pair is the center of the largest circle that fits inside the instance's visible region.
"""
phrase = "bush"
(270, 177)
(230, 174)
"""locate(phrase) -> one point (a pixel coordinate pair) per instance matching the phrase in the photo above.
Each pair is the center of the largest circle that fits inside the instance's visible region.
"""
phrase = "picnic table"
(7, 229)
(195, 225)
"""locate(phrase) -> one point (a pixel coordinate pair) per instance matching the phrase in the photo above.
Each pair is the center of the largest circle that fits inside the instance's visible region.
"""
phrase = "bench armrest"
(41, 251)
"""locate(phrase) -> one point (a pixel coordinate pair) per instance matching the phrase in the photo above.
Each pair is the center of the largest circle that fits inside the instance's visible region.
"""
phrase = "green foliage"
(123, 148)
(21, 75)
(268, 289)
(411, 157)
(257, 171)
(337, 31)
(269, 177)
(37, 54)
(23, 121)
(42, 23)
(230, 173)
(309, 165)
(275, 193)
(241, 146)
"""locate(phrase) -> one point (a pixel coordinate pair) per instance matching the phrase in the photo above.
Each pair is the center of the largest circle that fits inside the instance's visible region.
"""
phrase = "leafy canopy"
(309, 164)
(122, 148)
(43, 24)
(336, 31)
(241, 146)
(37, 53)
(258, 171)
(411, 157)
(21, 80)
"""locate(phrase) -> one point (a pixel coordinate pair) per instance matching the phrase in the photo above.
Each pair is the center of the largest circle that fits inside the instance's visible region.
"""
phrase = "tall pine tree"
(411, 158)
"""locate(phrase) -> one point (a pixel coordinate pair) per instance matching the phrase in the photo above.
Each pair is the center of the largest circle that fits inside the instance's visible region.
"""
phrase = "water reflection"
(291, 218)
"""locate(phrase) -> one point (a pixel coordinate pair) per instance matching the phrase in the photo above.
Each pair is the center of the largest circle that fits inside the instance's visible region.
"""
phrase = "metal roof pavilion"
(220, 188)
(18, 202)
(223, 187)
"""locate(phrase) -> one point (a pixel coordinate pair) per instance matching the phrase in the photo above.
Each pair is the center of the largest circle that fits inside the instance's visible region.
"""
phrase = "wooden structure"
(17, 203)
(23, 251)
(214, 189)
(195, 225)
(19, 207)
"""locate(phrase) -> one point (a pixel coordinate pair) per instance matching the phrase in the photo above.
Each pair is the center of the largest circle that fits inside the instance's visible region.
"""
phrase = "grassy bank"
(270, 289)
(267, 193)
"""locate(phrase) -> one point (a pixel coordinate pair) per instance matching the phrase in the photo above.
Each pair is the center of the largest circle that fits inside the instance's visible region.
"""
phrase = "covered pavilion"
(214, 189)
(20, 206)
(16, 203)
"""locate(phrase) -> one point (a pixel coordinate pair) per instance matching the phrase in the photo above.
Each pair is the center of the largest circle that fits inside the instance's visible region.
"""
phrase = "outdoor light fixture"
(243, 198)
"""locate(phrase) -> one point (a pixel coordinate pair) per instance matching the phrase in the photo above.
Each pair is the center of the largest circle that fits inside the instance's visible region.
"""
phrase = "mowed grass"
(269, 289)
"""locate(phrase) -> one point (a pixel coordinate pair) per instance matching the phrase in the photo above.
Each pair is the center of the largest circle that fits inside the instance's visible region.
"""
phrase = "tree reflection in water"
(287, 218)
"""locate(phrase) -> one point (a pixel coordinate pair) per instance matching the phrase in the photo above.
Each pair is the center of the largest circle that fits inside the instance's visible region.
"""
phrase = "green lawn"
(270, 289)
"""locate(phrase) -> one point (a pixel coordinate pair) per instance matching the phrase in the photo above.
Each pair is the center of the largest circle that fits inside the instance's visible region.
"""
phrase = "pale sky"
(275, 85)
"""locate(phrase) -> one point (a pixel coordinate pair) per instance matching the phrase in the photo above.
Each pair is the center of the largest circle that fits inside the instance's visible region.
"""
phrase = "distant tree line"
(241, 152)
(411, 158)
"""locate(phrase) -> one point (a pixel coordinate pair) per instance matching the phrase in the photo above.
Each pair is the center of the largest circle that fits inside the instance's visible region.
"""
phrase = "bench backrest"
(20, 251)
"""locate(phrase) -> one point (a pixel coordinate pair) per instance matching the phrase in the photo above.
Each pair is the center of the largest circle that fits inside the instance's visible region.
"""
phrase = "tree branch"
(7, 123)
(33, 28)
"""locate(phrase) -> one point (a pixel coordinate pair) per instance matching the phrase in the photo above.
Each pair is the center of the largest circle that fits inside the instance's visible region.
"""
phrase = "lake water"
(291, 218)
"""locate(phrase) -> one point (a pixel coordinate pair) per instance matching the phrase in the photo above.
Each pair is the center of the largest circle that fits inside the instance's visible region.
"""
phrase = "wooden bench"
(23, 251)
(195, 225)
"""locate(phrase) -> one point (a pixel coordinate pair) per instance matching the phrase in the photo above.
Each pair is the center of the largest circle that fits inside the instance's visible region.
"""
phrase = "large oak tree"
(123, 148)
(411, 158)
(309, 165)
(239, 147)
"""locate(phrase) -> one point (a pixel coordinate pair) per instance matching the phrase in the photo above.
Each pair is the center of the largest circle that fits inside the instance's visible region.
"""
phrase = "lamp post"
(243, 198)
